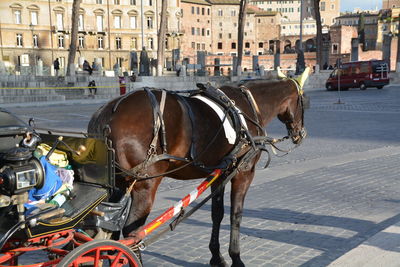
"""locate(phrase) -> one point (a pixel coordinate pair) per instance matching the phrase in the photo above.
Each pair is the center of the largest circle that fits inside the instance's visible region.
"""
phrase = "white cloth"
(230, 133)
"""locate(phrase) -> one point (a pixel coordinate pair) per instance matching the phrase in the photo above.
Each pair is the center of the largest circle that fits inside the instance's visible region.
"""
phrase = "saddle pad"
(230, 132)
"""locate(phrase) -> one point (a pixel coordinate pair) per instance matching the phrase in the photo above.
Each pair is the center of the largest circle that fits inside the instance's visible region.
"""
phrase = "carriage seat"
(85, 197)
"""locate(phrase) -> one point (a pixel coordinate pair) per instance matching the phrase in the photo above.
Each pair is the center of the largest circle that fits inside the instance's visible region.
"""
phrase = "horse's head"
(292, 114)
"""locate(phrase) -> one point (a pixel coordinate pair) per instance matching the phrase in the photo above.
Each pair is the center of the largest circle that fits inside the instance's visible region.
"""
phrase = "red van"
(359, 74)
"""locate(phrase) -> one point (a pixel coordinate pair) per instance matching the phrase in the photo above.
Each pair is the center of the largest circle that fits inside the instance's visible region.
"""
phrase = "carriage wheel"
(101, 253)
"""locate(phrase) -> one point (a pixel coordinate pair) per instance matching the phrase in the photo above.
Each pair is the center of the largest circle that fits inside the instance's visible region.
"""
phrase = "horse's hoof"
(238, 264)
(221, 263)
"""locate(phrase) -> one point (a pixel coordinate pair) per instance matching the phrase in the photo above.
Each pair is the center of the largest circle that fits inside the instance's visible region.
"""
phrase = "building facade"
(108, 30)
(329, 9)
(387, 4)
(196, 26)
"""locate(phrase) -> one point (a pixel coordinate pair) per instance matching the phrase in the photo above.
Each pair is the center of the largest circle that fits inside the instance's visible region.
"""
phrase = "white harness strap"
(230, 132)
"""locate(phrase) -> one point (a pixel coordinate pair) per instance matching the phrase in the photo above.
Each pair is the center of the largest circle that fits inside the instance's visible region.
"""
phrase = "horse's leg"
(217, 214)
(240, 185)
(142, 201)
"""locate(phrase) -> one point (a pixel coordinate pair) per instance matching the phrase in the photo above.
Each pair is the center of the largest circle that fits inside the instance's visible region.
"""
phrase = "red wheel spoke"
(97, 258)
(116, 260)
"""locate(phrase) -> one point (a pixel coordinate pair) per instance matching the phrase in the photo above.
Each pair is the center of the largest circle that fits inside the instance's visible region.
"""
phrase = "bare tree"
(161, 38)
(319, 31)
(74, 34)
(241, 23)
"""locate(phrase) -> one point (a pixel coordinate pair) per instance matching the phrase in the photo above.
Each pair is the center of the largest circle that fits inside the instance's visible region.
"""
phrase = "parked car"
(359, 74)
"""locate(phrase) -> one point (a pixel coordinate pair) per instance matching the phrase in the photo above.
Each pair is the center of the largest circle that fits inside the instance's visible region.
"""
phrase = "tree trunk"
(74, 35)
(161, 38)
(319, 32)
(241, 23)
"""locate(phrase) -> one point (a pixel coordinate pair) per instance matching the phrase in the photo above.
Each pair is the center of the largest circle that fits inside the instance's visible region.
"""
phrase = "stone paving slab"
(308, 219)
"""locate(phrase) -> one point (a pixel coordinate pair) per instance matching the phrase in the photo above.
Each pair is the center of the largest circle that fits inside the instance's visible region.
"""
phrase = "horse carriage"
(83, 199)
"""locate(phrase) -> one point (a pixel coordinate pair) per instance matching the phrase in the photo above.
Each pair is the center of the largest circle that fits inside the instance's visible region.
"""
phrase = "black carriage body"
(94, 177)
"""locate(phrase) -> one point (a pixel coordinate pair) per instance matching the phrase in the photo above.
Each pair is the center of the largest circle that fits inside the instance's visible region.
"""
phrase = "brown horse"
(132, 125)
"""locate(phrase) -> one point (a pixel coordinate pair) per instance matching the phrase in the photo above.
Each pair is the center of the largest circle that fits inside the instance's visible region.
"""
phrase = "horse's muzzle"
(297, 139)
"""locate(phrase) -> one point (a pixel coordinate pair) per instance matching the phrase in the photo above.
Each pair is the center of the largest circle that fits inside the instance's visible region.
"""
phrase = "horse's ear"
(280, 73)
(303, 77)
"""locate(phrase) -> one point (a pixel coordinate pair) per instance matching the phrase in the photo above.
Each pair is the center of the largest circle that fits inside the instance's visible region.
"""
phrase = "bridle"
(299, 108)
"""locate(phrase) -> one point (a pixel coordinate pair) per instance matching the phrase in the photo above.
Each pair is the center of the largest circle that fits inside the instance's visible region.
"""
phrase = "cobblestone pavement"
(336, 190)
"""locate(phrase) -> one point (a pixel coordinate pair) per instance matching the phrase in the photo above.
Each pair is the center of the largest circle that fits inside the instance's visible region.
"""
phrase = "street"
(336, 190)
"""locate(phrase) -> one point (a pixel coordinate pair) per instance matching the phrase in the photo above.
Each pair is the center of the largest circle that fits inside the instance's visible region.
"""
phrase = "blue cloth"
(52, 182)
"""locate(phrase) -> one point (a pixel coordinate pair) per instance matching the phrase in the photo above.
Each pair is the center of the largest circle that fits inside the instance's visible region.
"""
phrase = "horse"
(130, 121)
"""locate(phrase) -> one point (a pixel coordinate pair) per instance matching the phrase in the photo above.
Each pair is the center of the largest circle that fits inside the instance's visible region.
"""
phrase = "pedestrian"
(92, 88)
(133, 77)
(86, 67)
(56, 66)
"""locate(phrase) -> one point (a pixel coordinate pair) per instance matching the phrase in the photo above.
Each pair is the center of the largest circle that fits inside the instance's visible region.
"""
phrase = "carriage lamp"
(20, 172)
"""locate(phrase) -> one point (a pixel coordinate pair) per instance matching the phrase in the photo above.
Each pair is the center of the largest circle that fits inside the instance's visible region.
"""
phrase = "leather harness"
(243, 139)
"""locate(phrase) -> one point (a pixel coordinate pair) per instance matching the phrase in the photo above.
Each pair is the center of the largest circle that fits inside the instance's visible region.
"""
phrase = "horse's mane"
(101, 118)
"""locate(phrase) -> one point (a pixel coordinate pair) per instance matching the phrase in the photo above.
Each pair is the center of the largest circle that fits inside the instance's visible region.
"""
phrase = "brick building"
(387, 4)
(196, 26)
(108, 30)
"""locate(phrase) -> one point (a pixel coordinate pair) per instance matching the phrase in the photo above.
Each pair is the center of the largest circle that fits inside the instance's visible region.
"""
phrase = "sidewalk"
(383, 249)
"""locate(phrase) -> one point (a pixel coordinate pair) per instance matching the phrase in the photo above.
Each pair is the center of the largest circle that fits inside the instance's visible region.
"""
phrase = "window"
(235, 24)
(116, 2)
(203, 46)
(230, 35)
(220, 24)
(193, 45)
(208, 32)
(117, 22)
(198, 46)
(198, 10)
(333, 6)
(233, 13)
(35, 41)
(133, 2)
(133, 43)
(17, 15)
(197, 31)
(150, 2)
(259, 20)
(20, 42)
(322, 6)
(60, 21)
(260, 45)
(81, 41)
(233, 45)
(219, 45)
(220, 13)
(203, 32)
(202, 11)
(151, 43)
(60, 41)
(335, 48)
(80, 23)
(132, 22)
(119, 61)
(322, 20)
(118, 43)
(99, 23)
(192, 9)
(247, 45)
(34, 18)
(220, 35)
(193, 31)
(208, 11)
(100, 43)
(149, 22)
(99, 2)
